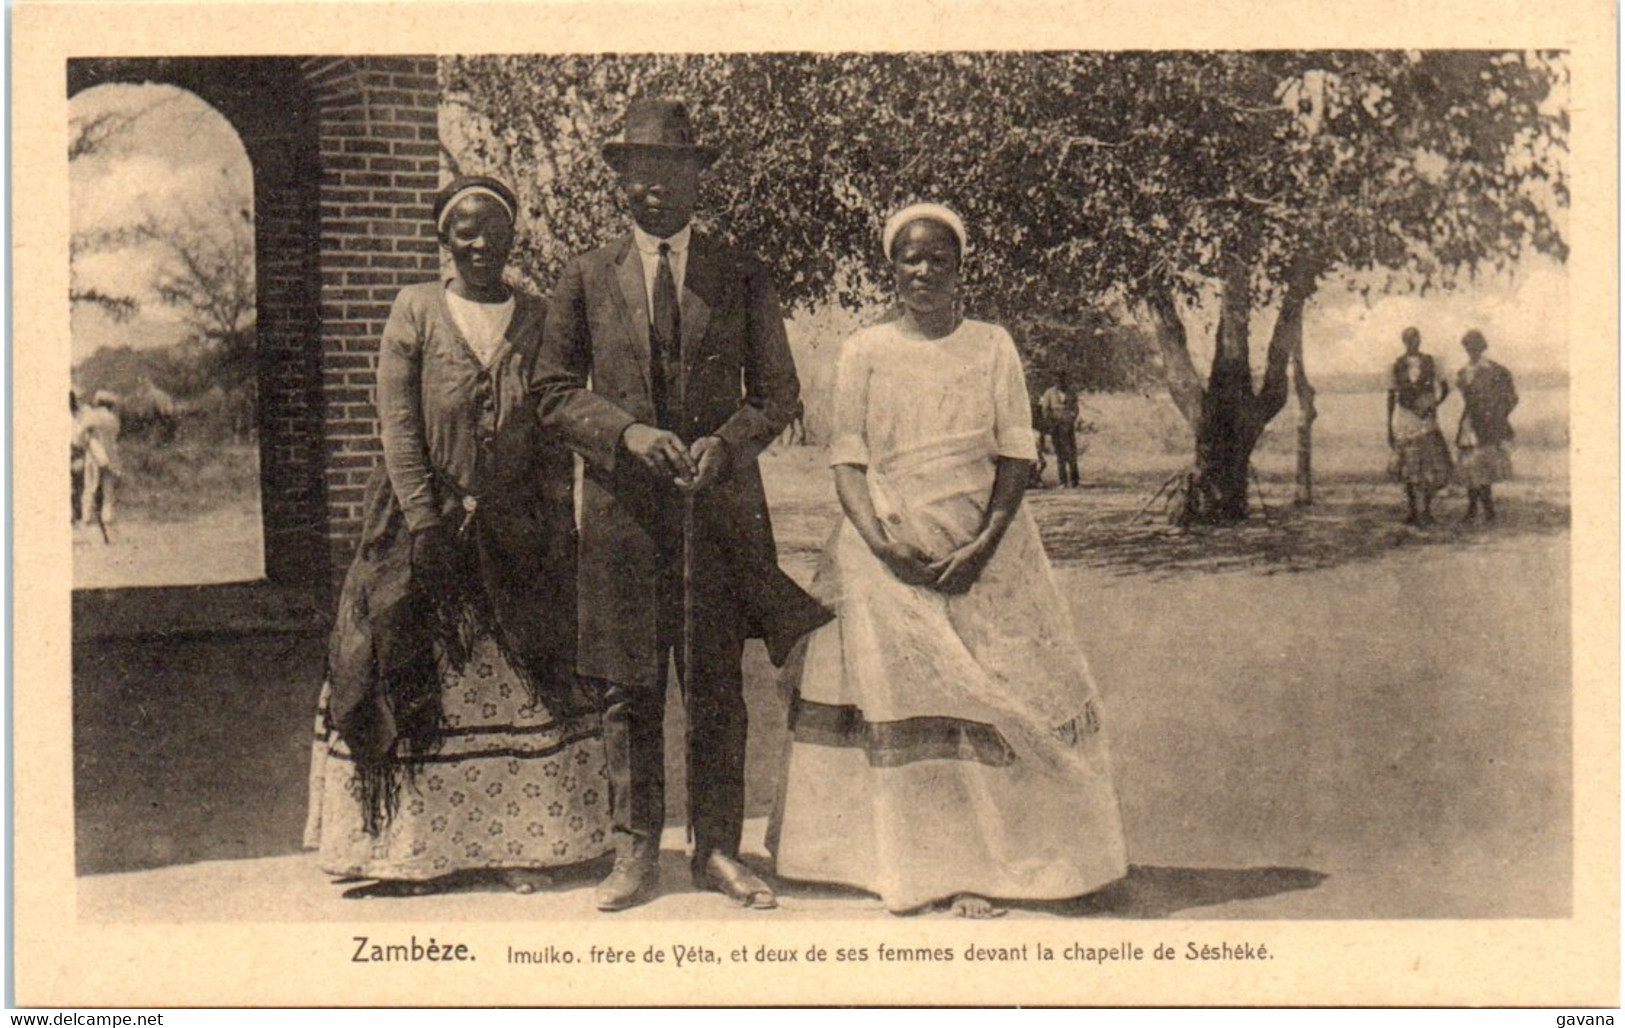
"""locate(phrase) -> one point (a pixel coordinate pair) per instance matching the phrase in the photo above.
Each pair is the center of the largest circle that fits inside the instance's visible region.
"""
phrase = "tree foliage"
(102, 135)
(1086, 177)
(1128, 181)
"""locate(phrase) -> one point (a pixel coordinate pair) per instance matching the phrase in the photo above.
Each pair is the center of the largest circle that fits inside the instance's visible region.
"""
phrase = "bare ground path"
(1324, 716)
(225, 544)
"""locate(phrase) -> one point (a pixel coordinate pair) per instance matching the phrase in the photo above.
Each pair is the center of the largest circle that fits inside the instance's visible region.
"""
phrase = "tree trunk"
(1228, 417)
(1226, 433)
(1228, 427)
(1305, 492)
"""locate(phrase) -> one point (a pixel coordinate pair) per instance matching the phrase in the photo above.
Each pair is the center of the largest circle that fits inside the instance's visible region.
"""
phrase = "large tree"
(205, 273)
(1144, 181)
(1261, 176)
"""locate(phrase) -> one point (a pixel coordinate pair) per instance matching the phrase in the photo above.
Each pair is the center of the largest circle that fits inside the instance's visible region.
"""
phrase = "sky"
(1524, 316)
(176, 158)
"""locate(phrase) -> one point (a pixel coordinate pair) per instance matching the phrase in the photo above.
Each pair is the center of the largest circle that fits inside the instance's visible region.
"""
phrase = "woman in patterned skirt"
(1484, 437)
(452, 736)
(1421, 457)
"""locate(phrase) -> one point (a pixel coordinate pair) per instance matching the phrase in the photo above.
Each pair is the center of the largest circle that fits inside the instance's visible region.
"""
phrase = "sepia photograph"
(925, 513)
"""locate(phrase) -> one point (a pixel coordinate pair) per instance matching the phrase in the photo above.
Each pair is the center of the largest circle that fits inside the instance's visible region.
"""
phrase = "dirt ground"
(222, 545)
(1323, 714)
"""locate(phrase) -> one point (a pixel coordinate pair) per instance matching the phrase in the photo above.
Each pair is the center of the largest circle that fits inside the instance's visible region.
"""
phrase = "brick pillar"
(289, 402)
(380, 158)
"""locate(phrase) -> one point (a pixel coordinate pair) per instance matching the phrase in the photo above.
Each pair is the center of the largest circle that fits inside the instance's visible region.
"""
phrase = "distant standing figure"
(95, 442)
(1060, 407)
(1421, 456)
(1035, 476)
(76, 458)
(1484, 436)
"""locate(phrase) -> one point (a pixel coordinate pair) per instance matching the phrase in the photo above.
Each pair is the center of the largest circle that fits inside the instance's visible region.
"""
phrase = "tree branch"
(1285, 340)
(1184, 384)
(119, 308)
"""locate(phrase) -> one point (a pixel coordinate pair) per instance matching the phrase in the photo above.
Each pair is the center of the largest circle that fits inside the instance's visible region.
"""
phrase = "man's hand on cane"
(711, 459)
(660, 451)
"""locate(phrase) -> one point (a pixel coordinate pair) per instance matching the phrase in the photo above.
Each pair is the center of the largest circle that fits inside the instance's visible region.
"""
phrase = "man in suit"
(683, 344)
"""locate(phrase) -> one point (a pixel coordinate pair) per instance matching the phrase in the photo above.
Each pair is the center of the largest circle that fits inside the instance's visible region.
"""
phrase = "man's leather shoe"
(632, 881)
(734, 880)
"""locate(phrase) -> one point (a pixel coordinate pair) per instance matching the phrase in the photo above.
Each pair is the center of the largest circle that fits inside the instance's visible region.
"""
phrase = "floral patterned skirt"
(1423, 460)
(509, 787)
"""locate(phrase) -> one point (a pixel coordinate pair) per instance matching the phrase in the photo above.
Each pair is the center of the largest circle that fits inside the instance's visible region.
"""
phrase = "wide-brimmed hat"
(660, 126)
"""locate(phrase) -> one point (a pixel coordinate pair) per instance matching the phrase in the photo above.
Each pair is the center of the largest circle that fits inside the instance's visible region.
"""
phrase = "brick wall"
(380, 168)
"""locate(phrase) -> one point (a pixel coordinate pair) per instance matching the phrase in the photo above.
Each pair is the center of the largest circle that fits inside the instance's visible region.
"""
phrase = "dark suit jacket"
(595, 380)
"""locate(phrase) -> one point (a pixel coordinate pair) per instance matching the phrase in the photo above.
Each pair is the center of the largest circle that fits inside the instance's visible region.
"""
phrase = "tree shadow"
(1111, 534)
(1148, 893)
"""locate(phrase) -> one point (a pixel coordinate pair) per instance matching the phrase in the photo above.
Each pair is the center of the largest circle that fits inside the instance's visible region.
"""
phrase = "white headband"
(462, 194)
(928, 211)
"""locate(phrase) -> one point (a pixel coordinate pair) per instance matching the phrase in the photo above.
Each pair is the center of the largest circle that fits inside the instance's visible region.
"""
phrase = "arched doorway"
(346, 160)
(267, 104)
(165, 369)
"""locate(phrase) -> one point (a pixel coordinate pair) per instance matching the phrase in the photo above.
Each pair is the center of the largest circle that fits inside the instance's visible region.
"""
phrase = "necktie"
(664, 326)
(666, 321)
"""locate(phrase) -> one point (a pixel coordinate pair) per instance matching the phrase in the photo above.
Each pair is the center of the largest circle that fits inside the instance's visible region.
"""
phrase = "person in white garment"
(947, 741)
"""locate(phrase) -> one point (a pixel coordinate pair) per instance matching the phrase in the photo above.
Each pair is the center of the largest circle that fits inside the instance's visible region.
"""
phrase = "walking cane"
(688, 586)
(688, 536)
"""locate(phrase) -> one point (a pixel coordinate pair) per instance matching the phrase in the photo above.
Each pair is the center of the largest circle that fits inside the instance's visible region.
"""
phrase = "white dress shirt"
(649, 250)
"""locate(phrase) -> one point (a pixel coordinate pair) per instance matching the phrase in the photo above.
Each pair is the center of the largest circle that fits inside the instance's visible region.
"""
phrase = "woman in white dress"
(946, 733)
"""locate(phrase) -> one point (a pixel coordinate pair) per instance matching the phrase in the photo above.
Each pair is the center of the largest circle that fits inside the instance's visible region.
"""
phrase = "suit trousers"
(714, 701)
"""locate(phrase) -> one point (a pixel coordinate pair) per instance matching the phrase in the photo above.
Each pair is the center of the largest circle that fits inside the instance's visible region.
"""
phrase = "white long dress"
(943, 744)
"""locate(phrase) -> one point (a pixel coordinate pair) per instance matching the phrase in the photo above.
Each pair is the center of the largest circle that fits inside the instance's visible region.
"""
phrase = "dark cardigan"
(464, 454)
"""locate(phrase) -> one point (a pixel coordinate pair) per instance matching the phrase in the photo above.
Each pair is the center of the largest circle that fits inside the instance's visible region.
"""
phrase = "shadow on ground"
(1146, 893)
(1108, 533)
